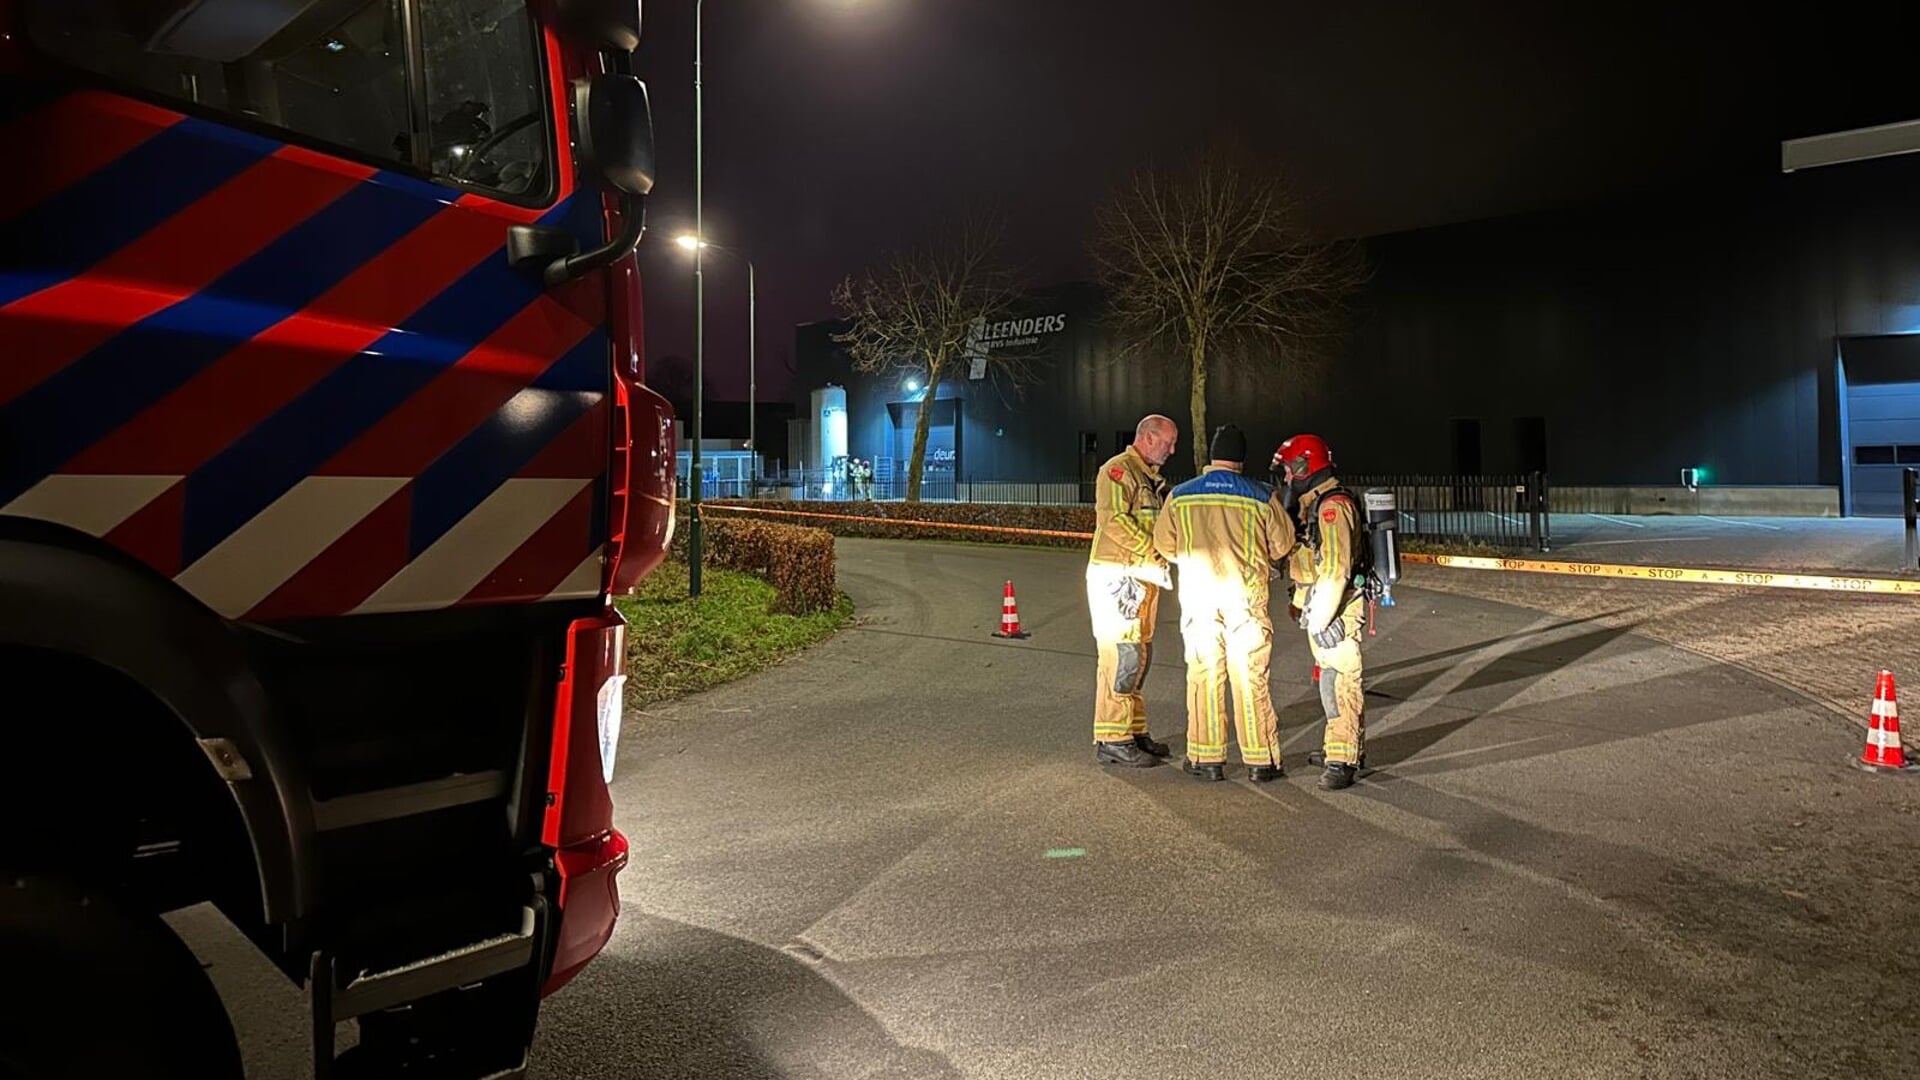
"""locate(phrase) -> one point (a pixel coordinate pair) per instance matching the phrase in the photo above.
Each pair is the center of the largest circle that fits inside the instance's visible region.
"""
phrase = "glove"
(1331, 636)
(1128, 596)
(1159, 574)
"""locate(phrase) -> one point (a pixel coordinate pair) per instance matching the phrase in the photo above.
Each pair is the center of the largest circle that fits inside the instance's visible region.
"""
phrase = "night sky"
(837, 129)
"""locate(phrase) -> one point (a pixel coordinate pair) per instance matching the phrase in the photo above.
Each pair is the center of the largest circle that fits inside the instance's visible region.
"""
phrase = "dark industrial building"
(1759, 330)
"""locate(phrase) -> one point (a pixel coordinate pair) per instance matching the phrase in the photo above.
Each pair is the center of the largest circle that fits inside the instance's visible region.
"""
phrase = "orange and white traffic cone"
(1010, 617)
(1884, 752)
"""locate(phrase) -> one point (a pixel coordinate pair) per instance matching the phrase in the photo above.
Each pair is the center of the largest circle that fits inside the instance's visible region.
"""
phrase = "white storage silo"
(830, 425)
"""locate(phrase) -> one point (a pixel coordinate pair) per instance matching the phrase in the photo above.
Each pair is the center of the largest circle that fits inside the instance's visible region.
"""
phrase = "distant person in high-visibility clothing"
(1224, 533)
(1331, 608)
(1124, 578)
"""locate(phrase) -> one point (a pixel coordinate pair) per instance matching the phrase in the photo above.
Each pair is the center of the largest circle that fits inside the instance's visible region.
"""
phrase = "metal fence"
(1499, 510)
(716, 488)
(834, 484)
(1910, 509)
(1592, 499)
(1510, 511)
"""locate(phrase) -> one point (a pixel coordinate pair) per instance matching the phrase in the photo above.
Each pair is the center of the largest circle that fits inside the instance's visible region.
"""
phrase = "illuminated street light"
(695, 529)
(692, 242)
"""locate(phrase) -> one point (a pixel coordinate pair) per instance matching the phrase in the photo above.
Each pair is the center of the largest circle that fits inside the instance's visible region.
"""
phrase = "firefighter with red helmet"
(1330, 605)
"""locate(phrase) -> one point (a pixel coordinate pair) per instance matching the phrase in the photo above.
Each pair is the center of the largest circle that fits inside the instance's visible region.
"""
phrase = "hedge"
(988, 522)
(797, 561)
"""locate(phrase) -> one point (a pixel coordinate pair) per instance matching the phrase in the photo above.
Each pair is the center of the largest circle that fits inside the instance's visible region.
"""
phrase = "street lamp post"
(694, 477)
(753, 389)
(693, 243)
(700, 321)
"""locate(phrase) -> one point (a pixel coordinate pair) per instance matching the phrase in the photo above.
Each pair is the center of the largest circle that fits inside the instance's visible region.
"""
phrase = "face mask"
(1304, 484)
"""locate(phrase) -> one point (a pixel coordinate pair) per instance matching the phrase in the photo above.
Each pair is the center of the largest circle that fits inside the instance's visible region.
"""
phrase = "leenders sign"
(985, 337)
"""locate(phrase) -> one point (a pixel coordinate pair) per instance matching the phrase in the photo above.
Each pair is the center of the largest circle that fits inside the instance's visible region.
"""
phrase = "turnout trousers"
(1342, 695)
(1123, 609)
(1229, 648)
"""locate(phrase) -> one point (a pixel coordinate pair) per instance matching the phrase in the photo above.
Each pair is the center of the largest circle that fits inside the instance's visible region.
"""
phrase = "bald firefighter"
(1225, 532)
(1332, 607)
(1124, 578)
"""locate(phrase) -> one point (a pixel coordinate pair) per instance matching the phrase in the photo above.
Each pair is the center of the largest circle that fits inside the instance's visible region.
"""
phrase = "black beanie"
(1229, 444)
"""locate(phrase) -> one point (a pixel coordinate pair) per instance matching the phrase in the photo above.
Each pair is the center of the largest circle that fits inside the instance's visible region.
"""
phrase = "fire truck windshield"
(452, 89)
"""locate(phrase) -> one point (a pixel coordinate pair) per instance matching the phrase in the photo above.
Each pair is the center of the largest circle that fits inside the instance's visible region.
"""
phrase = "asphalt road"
(1580, 853)
(1862, 545)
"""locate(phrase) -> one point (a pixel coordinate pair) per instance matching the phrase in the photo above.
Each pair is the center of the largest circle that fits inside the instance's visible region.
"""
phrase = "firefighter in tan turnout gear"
(1124, 578)
(1225, 532)
(1332, 607)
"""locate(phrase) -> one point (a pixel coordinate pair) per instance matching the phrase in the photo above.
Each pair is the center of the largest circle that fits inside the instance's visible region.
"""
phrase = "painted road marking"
(1744, 524)
(1637, 540)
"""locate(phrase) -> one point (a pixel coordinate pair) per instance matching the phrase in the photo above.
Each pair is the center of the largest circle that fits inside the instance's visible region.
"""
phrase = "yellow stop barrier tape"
(1766, 579)
(899, 521)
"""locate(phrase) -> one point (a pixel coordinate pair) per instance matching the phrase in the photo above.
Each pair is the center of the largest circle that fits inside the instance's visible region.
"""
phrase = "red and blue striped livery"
(324, 442)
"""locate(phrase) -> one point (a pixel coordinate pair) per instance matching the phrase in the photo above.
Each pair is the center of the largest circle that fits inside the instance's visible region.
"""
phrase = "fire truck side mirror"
(615, 124)
(613, 139)
(537, 247)
(613, 25)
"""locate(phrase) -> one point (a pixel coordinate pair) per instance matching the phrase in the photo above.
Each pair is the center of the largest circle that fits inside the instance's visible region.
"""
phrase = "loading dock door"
(941, 468)
(1883, 420)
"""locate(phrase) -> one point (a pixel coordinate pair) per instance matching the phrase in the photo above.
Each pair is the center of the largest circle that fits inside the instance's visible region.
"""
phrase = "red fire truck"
(324, 441)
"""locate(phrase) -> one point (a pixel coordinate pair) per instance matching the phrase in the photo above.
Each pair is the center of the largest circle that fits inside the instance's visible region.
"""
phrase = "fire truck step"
(408, 800)
(374, 991)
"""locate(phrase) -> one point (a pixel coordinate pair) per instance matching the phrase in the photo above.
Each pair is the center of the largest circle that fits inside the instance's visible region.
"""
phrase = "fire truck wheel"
(100, 989)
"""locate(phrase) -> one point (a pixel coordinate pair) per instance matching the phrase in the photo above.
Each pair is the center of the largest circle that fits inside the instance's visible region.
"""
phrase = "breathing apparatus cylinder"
(1383, 524)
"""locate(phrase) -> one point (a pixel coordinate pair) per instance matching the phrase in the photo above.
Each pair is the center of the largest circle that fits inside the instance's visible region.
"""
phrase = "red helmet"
(1302, 456)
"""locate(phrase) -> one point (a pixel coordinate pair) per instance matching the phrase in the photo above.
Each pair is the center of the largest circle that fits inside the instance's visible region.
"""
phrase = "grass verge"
(677, 645)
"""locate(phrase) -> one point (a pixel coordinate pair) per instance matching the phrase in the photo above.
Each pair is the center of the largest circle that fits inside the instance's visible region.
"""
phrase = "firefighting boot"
(1339, 775)
(1149, 744)
(1205, 770)
(1265, 774)
(1124, 753)
(1317, 758)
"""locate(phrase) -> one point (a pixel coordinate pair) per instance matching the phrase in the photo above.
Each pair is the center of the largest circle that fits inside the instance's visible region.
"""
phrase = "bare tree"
(920, 312)
(1210, 265)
